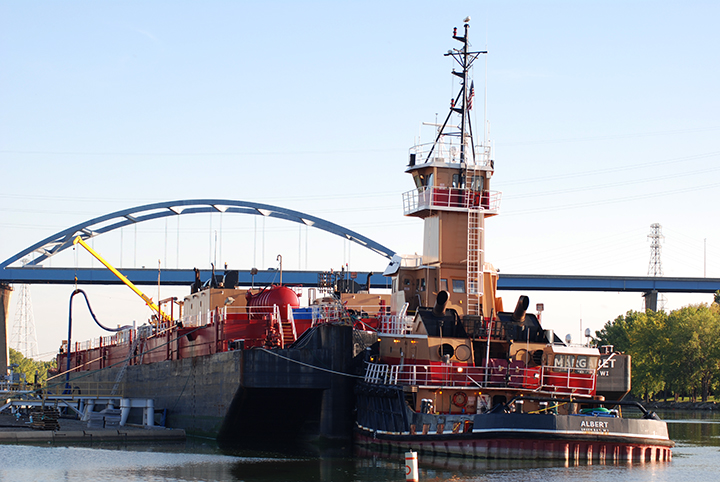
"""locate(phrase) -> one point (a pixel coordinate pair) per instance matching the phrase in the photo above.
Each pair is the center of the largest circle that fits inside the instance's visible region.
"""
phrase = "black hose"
(91, 311)
(67, 375)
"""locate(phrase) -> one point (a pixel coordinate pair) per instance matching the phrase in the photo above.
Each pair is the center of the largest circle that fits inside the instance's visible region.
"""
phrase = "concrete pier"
(5, 291)
(14, 431)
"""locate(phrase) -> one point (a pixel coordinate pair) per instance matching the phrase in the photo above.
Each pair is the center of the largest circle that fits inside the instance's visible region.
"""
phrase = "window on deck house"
(458, 285)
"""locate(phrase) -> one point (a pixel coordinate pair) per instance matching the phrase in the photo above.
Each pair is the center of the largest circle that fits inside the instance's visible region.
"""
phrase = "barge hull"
(237, 397)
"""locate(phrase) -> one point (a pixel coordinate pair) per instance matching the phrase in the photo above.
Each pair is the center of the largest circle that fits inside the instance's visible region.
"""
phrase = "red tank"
(281, 296)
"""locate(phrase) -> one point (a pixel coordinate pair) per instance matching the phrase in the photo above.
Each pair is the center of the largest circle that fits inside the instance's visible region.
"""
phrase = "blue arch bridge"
(33, 272)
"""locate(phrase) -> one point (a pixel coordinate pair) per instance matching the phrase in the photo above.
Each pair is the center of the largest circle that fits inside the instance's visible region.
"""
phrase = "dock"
(13, 431)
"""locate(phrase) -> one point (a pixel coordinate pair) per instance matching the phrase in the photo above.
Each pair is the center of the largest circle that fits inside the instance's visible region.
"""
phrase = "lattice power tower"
(655, 267)
(23, 338)
(656, 237)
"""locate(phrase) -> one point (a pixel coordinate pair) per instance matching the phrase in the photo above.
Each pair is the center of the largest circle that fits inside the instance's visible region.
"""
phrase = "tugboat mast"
(465, 60)
(452, 197)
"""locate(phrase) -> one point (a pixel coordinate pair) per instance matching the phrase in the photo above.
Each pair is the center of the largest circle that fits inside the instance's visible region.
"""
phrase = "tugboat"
(454, 373)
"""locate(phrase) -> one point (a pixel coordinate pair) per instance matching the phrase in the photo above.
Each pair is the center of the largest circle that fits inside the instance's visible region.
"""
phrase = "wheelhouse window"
(422, 180)
(478, 183)
(458, 285)
(458, 181)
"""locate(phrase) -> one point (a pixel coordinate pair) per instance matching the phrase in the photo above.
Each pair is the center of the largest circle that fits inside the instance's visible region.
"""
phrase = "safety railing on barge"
(499, 374)
(317, 313)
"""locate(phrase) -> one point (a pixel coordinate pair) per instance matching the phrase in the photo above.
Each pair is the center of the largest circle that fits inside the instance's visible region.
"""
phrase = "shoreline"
(689, 406)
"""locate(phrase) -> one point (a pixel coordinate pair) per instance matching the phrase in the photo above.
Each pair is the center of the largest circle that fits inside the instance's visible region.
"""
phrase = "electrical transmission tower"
(655, 237)
(655, 267)
(23, 338)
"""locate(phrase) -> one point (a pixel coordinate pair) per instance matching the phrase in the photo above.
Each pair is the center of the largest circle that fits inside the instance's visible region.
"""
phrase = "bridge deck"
(532, 282)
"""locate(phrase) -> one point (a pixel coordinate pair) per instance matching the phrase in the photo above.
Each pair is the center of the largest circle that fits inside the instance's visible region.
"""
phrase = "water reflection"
(695, 458)
(700, 428)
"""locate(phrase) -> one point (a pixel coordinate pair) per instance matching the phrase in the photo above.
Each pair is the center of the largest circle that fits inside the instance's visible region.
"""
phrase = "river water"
(696, 458)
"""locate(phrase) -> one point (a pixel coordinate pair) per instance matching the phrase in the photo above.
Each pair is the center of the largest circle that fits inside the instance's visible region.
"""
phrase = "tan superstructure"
(453, 199)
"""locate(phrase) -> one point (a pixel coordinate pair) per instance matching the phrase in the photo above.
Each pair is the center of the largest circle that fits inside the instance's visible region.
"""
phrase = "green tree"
(694, 349)
(30, 367)
(616, 332)
(649, 344)
(677, 352)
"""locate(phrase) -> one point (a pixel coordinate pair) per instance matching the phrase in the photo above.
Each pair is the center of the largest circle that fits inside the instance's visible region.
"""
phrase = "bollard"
(411, 467)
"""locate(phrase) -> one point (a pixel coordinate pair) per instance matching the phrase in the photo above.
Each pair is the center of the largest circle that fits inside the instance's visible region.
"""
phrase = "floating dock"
(14, 431)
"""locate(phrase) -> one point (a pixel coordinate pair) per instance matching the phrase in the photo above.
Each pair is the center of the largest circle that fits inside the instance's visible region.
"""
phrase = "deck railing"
(399, 324)
(320, 314)
(450, 199)
(448, 151)
(560, 381)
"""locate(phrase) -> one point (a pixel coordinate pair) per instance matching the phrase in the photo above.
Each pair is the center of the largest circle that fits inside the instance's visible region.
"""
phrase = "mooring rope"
(311, 366)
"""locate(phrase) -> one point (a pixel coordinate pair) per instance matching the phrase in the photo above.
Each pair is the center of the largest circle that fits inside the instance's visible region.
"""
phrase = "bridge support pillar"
(5, 291)
(651, 299)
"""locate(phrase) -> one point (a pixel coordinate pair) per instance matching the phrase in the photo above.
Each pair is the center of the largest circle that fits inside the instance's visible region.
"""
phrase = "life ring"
(459, 399)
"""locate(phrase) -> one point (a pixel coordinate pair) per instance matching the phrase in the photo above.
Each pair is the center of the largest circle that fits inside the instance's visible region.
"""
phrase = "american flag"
(471, 96)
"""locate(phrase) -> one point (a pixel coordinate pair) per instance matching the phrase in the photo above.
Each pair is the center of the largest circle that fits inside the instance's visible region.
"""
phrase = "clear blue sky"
(604, 117)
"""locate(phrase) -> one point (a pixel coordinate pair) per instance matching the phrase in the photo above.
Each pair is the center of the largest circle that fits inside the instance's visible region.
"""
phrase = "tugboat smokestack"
(440, 303)
(521, 308)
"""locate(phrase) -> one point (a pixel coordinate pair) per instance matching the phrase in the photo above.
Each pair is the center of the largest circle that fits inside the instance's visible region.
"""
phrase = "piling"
(5, 291)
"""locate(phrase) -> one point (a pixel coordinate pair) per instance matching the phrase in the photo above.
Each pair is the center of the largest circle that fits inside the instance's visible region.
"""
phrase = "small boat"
(452, 372)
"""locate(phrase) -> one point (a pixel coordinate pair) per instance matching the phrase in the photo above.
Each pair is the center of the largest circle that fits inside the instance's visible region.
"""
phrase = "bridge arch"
(62, 240)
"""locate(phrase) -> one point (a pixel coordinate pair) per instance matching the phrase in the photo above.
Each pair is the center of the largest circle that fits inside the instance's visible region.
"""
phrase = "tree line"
(35, 371)
(674, 354)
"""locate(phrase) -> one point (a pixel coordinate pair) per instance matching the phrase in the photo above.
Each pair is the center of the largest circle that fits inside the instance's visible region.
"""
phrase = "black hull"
(245, 397)
(385, 419)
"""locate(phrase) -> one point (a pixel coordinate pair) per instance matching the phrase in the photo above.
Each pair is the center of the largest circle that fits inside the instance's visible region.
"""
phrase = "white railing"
(399, 324)
(200, 319)
(565, 381)
(335, 312)
(382, 374)
(450, 152)
(450, 199)
(291, 319)
(327, 313)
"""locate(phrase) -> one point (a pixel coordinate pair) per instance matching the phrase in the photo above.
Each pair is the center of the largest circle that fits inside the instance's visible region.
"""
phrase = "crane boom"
(123, 278)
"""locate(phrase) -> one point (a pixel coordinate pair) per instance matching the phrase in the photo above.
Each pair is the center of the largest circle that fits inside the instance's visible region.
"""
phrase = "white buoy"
(411, 467)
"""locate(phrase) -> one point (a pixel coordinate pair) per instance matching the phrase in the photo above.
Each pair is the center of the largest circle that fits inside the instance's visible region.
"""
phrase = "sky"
(603, 117)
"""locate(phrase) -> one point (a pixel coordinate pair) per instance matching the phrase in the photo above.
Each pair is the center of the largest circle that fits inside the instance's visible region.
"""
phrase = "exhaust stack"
(521, 308)
(440, 303)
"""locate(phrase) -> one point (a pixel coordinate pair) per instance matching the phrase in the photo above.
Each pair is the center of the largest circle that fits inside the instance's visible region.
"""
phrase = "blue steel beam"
(184, 277)
(169, 277)
(640, 284)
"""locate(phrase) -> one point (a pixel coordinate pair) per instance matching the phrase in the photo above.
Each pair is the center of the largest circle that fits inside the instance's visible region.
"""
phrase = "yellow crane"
(146, 299)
